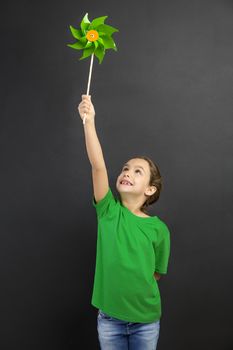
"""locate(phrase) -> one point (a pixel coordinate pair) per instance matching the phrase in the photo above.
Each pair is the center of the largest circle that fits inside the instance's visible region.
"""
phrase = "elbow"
(157, 276)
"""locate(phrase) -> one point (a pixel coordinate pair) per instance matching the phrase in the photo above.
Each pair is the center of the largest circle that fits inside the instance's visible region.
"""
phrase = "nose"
(126, 177)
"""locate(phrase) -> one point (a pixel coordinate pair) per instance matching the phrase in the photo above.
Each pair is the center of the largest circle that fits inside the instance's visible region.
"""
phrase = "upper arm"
(100, 183)
(162, 250)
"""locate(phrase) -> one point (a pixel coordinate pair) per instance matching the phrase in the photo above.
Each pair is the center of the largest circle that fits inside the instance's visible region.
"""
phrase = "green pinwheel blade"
(96, 44)
(85, 23)
(88, 44)
(97, 21)
(87, 52)
(77, 33)
(100, 40)
(99, 53)
(106, 29)
(83, 39)
(108, 42)
(77, 46)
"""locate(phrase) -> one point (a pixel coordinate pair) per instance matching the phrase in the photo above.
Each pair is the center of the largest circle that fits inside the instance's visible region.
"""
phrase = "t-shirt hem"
(162, 272)
(123, 318)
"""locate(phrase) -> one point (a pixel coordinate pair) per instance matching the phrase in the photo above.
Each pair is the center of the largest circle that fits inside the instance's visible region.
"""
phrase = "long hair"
(155, 180)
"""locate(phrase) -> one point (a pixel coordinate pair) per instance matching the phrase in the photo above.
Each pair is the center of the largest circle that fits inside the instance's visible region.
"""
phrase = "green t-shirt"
(130, 249)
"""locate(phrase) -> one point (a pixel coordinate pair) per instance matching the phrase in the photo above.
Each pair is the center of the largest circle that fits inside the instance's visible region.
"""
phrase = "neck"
(132, 204)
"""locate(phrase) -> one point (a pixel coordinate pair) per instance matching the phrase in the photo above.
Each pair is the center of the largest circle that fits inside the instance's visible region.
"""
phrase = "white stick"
(89, 82)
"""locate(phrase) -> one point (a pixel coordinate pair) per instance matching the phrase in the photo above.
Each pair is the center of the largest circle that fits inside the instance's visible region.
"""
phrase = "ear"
(150, 190)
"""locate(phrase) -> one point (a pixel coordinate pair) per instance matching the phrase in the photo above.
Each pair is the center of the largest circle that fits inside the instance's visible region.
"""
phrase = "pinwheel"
(94, 38)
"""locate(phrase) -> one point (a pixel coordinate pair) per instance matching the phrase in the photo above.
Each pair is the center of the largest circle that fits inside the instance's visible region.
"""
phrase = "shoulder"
(163, 228)
(107, 205)
(162, 223)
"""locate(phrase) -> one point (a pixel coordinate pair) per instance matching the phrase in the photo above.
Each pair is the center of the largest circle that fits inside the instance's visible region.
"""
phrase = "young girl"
(133, 248)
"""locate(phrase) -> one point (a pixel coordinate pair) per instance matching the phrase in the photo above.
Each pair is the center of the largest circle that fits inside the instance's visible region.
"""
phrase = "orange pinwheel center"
(92, 35)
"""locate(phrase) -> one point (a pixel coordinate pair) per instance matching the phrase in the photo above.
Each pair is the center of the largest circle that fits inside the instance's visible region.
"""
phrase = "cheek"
(143, 182)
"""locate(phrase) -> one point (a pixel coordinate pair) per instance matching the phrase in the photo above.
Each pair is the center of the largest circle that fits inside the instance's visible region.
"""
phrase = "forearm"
(157, 275)
(94, 150)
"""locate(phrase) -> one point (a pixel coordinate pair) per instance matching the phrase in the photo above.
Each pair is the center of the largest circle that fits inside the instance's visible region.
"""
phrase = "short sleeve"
(105, 205)
(162, 251)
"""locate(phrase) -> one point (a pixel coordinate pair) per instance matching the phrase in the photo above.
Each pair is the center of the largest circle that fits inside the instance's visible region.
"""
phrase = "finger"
(86, 102)
(85, 108)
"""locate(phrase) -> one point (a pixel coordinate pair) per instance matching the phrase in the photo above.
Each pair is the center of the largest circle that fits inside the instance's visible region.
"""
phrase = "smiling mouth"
(126, 183)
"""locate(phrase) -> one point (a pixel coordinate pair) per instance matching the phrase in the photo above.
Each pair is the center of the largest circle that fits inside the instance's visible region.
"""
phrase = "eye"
(124, 168)
(138, 170)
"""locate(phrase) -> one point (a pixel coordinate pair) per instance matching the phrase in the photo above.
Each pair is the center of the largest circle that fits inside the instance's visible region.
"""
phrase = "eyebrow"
(136, 166)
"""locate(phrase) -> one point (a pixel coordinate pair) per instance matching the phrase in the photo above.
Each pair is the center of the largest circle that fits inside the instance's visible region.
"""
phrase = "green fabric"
(129, 250)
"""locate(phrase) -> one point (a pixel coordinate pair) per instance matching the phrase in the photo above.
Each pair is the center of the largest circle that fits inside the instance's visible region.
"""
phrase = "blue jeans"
(115, 334)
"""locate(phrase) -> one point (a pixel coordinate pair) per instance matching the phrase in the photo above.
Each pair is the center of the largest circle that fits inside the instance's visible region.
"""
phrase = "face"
(136, 173)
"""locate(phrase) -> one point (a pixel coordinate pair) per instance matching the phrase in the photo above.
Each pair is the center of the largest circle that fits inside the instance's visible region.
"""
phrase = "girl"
(133, 248)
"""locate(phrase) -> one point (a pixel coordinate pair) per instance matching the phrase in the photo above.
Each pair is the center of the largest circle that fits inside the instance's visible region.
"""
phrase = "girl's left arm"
(157, 276)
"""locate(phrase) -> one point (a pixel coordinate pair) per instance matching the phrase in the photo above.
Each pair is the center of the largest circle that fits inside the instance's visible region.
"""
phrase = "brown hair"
(155, 180)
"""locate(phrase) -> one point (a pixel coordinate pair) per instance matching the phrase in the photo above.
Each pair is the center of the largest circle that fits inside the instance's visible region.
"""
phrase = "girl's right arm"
(94, 150)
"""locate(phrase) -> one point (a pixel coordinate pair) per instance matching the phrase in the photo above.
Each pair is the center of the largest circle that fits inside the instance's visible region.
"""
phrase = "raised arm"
(94, 150)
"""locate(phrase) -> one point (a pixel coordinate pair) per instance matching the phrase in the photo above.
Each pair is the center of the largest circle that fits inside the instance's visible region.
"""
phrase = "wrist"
(88, 121)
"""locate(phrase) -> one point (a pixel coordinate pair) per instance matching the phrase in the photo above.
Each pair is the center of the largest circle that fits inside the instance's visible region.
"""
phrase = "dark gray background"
(167, 94)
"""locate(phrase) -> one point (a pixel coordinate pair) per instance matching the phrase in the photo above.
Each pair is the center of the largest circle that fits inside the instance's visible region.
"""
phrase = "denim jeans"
(115, 334)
